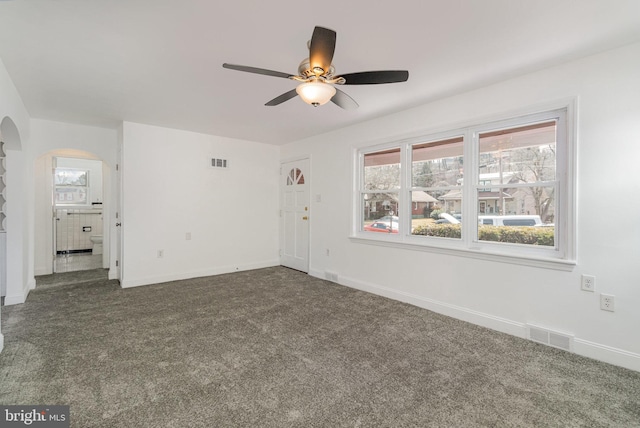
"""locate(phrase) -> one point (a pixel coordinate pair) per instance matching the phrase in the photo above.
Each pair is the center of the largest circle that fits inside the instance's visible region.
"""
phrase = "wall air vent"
(331, 276)
(550, 338)
(219, 163)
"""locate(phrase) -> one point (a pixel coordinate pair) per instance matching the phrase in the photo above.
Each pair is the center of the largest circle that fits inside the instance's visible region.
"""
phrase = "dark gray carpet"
(276, 348)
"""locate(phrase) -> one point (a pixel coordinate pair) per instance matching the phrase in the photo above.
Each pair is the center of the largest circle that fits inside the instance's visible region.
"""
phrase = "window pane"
(526, 154)
(70, 177)
(433, 217)
(71, 196)
(528, 219)
(382, 170)
(534, 200)
(437, 164)
(424, 203)
(380, 207)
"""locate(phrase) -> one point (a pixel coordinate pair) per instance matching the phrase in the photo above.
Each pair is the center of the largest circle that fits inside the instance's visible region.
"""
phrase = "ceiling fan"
(317, 76)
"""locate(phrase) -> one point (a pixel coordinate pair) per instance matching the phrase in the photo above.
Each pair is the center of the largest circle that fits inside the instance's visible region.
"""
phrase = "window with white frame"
(520, 164)
(71, 186)
(502, 188)
(380, 191)
(436, 186)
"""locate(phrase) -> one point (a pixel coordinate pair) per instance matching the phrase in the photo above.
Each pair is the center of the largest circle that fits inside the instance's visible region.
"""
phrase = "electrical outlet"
(160, 254)
(328, 252)
(607, 302)
(588, 282)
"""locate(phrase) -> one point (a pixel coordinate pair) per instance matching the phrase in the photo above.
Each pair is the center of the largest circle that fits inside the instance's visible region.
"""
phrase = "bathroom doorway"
(78, 214)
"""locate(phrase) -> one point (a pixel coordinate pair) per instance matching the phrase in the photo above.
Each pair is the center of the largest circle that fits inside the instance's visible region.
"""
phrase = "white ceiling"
(159, 62)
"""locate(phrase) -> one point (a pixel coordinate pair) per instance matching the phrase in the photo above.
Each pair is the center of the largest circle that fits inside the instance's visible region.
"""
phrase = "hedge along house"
(150, 99)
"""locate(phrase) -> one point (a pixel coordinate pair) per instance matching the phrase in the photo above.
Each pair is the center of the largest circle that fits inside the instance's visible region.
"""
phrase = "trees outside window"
(499, 183)
(71, 186)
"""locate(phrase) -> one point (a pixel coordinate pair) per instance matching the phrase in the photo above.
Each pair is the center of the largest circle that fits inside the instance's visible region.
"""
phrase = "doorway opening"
(71, 213)
(77, 195)
(3, 224)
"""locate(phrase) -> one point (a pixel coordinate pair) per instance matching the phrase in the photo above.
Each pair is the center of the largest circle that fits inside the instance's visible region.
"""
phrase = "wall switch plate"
(188, 236)
(607, 302)
(588, 283)
(160, 254)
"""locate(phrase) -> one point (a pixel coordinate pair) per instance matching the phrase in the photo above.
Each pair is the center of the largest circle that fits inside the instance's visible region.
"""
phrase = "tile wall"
(69, 228)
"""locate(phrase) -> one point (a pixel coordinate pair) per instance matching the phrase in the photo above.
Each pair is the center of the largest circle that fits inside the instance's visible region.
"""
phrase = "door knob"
(118, 224)
(305, 218)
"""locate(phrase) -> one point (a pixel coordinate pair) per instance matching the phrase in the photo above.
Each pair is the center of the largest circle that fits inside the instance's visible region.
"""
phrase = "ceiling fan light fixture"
(316, 75)
(316, 93)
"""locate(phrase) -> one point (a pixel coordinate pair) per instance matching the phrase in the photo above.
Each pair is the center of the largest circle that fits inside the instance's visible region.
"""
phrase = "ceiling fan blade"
(256, 70)
(321, 49)
(375, 77)
(343, 100)
(282, 98)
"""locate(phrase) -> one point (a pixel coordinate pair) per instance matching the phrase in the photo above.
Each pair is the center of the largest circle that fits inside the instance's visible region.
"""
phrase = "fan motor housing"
(305, 70)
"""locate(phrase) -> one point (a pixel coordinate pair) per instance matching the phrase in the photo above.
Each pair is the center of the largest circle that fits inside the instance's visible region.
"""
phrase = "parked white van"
(510, 220)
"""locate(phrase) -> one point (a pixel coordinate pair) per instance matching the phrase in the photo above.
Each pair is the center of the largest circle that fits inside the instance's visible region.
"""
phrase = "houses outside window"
(380, 192)
(503, 187)
(520, 163)
(437, 174)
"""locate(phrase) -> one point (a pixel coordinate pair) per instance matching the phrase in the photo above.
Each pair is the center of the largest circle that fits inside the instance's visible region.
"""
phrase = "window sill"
(524, 260)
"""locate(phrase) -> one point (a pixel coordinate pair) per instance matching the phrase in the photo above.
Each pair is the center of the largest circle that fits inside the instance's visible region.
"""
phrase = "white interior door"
(54, 215)
(294, 215)
(116, 231)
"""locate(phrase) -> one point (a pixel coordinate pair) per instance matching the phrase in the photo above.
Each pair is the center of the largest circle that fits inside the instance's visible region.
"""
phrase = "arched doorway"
(11, 265)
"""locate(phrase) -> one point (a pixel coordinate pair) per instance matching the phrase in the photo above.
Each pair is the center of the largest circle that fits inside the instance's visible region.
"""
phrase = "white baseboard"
(128, 283)
(582, 347)
(1, 342)
(43, 271)
(114, 273)
(608, 354)
(18, 299)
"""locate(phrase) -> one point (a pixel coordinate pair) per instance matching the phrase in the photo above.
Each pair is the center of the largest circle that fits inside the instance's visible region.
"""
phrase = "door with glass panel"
(294, 215)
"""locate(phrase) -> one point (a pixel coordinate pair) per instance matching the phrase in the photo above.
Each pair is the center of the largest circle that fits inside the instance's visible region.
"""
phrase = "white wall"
(50, 139)
(19, 279)
(169, 190)
(500, 295)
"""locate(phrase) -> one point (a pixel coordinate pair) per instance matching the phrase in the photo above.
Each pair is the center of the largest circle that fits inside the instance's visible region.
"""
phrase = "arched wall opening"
(13, 266)
(9, 134)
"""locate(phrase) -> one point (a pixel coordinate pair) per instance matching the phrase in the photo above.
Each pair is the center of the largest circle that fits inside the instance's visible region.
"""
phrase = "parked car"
(510, 220)
(446, 218)
(386, 218)
(382, 226)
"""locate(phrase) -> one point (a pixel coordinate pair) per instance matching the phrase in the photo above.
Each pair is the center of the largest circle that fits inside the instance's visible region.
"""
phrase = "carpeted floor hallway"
(276, 348)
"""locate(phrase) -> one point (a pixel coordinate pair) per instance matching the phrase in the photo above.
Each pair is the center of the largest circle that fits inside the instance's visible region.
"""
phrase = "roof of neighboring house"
(422, 197)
